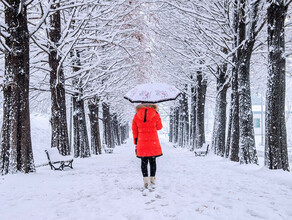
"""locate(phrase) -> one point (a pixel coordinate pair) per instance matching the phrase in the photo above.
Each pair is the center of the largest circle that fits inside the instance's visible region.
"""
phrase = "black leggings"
(144, 163)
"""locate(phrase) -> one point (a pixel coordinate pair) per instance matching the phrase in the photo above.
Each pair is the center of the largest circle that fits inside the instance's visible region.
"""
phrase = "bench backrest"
(54, 155)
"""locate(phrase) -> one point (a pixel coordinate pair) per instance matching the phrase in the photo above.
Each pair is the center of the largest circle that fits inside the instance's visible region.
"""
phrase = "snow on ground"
(109, 186)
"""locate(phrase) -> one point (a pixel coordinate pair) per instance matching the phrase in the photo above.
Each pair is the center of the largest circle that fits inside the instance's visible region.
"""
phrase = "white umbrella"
(152, 93)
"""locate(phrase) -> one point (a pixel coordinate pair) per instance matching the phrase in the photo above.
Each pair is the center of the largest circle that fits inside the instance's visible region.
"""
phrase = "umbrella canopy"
(152, 93)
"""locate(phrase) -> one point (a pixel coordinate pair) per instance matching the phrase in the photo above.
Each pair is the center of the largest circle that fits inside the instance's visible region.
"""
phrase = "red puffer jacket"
(145, 124)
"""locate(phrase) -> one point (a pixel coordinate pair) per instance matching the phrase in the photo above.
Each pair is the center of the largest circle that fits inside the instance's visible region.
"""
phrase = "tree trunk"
(193, 117)
(124, 133)
(81, 143)
(232, 145)
(16, 149)
(276, 154)
(200, 110)
(116, 129)
(219, 130)
(107, 126)
(57, 87)
(94, 126)
(171, 124)
(176, 124)
(181, 124)
(246, 133)
(234, 121)
(186, 127)
(228, 141)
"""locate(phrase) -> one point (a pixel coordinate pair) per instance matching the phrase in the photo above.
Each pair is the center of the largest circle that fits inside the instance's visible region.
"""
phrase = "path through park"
(109, 186)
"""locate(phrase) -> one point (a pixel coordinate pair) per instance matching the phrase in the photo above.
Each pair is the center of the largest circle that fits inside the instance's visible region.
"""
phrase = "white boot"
(152, 182)
(146, 182)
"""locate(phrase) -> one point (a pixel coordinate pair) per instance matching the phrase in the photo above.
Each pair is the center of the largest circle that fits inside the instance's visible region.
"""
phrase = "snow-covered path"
(109, 187)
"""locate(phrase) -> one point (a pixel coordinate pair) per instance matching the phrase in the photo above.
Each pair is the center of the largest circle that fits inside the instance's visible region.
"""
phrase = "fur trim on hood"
(146, 106)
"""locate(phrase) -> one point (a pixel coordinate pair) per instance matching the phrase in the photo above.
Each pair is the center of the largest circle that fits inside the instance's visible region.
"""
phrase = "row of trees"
(90, 52)
(217, 40)
(74, 50)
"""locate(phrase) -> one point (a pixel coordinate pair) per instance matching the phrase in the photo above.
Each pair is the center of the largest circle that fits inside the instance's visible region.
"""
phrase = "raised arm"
(135, 130)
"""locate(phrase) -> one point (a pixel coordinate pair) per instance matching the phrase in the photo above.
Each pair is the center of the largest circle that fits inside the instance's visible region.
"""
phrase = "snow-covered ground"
(109, 186)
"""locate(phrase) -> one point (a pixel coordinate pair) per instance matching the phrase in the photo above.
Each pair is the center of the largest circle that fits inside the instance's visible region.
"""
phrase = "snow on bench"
(107, 150)
(202, 151)
(58, 161)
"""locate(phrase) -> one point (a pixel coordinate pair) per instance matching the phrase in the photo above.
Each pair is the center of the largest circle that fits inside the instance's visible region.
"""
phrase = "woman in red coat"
(145, 124)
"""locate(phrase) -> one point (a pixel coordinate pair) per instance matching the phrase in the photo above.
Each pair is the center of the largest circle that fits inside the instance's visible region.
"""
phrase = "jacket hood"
(146, 112)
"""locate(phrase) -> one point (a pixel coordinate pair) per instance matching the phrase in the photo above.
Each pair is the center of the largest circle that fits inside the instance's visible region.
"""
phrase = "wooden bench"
(58, 162)
(107, 150)
(202, 151)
